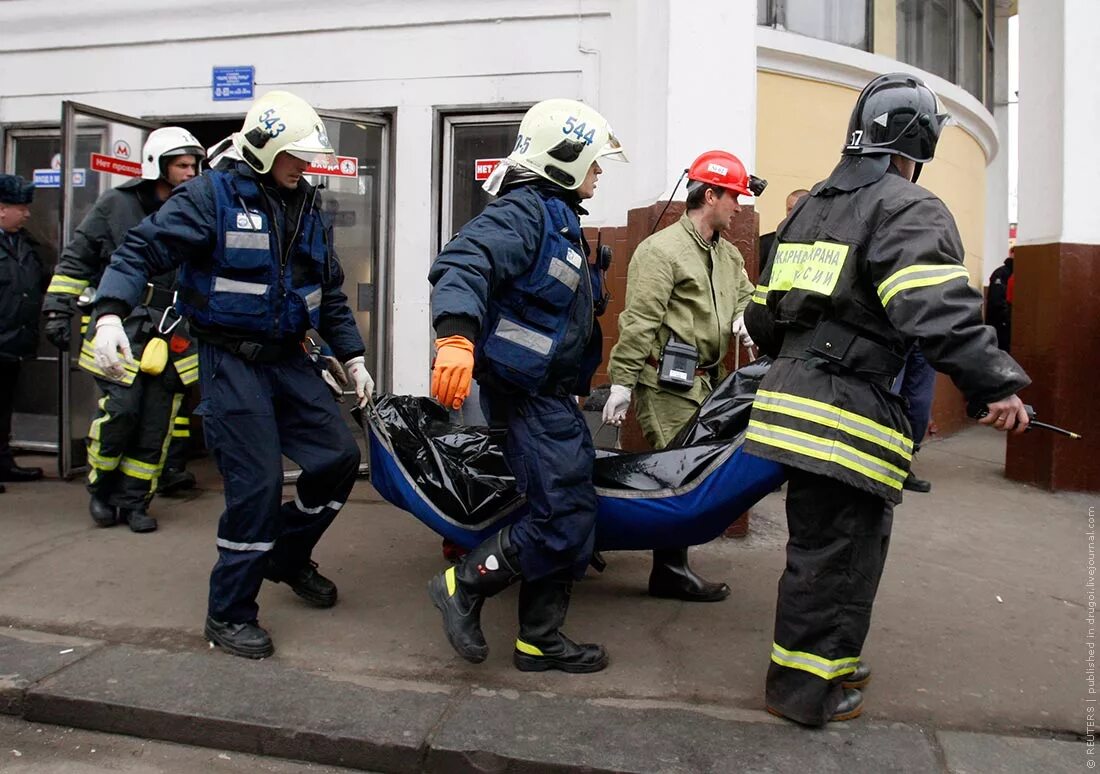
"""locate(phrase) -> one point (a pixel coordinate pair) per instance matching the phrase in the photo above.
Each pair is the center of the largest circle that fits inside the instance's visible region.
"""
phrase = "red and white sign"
(122, 149)
(102, 163)
(484, 167)
(345, 166)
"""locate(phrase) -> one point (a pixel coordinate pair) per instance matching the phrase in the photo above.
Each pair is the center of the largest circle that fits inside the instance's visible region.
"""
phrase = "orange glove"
(453, 370)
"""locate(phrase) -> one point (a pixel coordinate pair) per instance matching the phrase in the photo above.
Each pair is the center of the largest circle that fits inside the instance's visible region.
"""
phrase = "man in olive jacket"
(688, 282)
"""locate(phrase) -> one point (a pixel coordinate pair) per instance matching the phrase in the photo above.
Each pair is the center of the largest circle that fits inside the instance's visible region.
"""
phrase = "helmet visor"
(612, 149)
(313, 148)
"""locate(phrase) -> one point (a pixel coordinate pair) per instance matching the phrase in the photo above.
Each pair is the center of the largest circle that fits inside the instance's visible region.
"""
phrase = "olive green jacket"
(668, 289)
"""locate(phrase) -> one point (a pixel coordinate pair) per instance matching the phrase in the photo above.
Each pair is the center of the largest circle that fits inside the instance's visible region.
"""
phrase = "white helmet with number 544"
(560, 138)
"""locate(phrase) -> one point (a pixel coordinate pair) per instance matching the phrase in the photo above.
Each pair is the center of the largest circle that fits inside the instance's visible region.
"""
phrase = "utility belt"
(843, 348)
(253, 351)
(157, 297)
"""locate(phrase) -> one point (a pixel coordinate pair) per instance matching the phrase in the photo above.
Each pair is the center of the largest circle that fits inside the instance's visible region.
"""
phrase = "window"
(847, 22)
(951, 38)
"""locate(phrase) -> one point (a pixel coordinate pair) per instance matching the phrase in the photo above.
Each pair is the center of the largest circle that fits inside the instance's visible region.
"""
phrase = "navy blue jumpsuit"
(515, 280)
(257, 272)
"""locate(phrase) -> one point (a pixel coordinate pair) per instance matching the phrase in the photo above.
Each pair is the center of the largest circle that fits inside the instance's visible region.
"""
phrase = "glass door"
(99, 150)
(473, 145)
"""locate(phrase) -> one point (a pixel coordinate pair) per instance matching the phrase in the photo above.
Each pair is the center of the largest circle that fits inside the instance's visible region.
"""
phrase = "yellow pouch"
(155, 356)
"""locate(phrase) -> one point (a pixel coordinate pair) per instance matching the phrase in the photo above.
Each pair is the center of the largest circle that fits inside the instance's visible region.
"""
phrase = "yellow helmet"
(280, 121)
(560, 138)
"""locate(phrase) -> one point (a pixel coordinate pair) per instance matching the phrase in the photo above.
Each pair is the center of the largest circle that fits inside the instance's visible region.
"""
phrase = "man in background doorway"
(767, 240)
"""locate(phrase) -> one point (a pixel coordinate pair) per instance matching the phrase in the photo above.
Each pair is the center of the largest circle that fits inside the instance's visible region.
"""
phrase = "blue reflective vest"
(536, 331)
(249, 284)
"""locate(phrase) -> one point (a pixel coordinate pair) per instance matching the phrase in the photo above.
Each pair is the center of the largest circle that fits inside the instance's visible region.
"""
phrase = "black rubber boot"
(858, 678)
(103, 515)
(672, 578)
(458, 592)
(174, 480)
(249, 639)
(541, 644)
(138, 519)
(308, 584)
(851, 706)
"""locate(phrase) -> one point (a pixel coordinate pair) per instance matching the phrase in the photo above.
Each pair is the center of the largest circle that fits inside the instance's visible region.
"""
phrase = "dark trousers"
(549, 450)
(128, 439)
(253, 414)
(839, 536)
(917, 384)
(9, 375)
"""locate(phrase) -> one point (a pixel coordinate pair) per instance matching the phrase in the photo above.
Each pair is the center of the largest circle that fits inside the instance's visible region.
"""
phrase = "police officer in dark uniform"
(133, 425)
(22, 280)
(513, 305)
(865, 266)
(257, 271)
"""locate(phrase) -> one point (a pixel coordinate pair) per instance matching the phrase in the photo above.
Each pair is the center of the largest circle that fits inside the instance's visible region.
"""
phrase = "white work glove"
(614, 411)
(110, 341)
(739, 329)
(333, 375)
(360, 376)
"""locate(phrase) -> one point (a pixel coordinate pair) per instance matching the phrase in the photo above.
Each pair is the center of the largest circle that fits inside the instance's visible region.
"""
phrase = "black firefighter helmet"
(896, 114)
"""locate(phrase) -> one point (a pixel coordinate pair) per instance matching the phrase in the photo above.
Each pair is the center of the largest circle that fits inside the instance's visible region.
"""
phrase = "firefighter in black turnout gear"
(133, 427)
(865, 266)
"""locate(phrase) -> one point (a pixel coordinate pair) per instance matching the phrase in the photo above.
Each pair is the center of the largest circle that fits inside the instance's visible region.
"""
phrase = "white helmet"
(166, 142)
(280, 121)
(560, 138)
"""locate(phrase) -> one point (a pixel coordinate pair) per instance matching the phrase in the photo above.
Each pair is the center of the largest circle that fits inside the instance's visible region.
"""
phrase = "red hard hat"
(722, 169)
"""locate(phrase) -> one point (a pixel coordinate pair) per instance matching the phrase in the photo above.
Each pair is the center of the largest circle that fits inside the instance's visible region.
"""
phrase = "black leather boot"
(541, 644)
(858, 678)
(249, 639)
(175, 480)
(308, 584)
(138, 519)
(914, 484)
(103, 515)
(459, 592)
(12, 472)
(672, 578)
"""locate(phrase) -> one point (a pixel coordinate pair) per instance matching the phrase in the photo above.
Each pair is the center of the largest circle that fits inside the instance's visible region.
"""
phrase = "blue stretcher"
(454, 478)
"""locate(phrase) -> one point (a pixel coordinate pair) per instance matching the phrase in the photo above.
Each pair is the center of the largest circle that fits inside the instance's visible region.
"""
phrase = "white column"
(996, 173)
(711, 82)
(1059, 116)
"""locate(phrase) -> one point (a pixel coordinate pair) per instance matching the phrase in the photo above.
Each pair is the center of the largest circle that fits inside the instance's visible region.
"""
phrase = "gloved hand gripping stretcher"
(455, 478)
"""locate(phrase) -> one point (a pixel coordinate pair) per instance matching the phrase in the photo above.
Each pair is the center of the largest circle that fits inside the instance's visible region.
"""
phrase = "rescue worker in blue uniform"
(864, 267)
(257, 271)
(513, 307)
(131, 435)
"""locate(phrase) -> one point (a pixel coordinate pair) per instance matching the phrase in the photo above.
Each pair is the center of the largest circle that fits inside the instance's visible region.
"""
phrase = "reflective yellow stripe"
(760, 295)
(825, 668)
(67, 286)
(530, 650)
(801, 443)
(183, 420)
(184, 363)
(449, 576)
(926, 275)
(176, 401)
(98, 461)
(84, 320)
(893, 440)
(181, 433)
(138, 469)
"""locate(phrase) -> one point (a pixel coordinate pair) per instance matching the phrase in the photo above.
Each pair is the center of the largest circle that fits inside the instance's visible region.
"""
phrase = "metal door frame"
(69, 111)
(383, 293)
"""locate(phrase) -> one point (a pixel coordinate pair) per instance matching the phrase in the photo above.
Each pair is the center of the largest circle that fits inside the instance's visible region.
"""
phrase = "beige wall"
(800, 129)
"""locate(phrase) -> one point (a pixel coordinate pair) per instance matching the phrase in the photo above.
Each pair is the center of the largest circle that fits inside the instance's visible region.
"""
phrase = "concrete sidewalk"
(978, 643)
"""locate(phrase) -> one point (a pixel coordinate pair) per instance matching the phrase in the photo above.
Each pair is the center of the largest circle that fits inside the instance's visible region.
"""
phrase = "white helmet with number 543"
(280, 121)
(560, 138)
